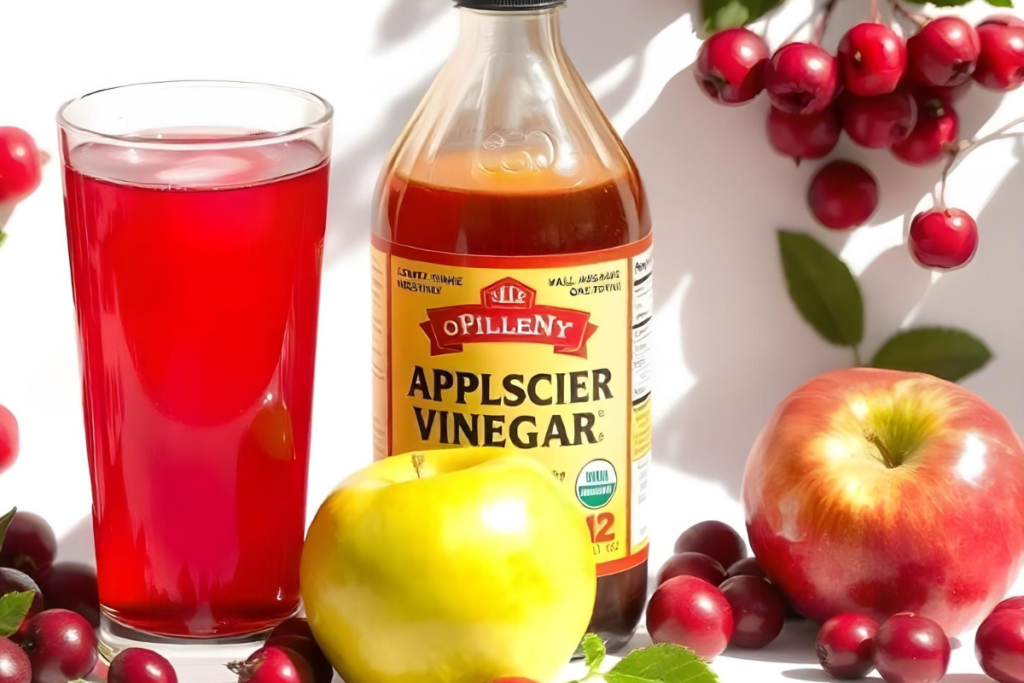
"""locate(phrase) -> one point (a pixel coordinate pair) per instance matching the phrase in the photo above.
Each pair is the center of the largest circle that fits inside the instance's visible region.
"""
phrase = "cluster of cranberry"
(56, 641)
(701, 605)
(885, 93)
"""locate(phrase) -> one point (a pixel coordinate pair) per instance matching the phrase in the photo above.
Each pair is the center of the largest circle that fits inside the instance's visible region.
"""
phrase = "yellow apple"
(451, 566)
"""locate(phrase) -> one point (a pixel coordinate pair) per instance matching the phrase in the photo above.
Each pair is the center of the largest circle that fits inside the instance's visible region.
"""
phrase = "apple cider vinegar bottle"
(512, 284)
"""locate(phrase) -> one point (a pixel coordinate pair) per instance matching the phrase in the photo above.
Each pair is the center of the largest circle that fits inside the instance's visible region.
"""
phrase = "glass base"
(195, 661)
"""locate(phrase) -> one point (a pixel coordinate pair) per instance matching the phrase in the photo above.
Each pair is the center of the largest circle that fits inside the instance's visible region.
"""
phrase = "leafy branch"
(828, 297)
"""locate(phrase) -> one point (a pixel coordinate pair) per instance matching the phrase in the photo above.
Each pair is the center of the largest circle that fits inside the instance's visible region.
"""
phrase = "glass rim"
(136, 140)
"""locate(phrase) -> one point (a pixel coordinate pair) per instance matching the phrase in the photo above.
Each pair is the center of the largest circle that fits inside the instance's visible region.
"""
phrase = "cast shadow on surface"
(598, 35)
(76, 545)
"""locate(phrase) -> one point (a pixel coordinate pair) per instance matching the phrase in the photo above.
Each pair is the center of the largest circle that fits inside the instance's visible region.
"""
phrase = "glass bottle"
(512, 283)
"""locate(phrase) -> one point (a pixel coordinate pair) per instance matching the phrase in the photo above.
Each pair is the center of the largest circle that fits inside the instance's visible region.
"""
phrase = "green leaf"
(722, 14)
(5, 522)
(13, 608)
(594, 650)
(662, 663)
(1000, 3)
(946, 353)
(823, 289)
(3, 237)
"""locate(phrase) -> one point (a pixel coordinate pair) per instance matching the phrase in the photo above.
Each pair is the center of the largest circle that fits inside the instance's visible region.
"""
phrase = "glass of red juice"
(196, 214)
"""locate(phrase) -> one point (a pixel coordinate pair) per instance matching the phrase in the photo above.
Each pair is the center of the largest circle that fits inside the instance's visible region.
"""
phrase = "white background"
(729, 343)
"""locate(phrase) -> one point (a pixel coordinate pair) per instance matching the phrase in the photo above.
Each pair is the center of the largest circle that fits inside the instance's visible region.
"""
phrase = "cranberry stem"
(821, 23)
(5, 213)
(958, 151)
(915, 17)
(876, 16)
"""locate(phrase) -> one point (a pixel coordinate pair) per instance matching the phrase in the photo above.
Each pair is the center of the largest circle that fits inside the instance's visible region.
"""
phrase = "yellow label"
(548, 355)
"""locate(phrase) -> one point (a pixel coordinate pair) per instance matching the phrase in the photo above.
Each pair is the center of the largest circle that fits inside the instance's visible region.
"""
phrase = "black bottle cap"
(509, 5)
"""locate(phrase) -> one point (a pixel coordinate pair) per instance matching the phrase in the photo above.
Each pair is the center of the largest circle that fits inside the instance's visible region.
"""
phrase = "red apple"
(877, 492)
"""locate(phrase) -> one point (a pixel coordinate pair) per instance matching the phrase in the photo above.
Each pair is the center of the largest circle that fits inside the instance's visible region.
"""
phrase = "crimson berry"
(910, 648)
(804, 137)
(273, 665)
(943, 53)
(72, 586)
(137, 665)
(21, 166)
(8, 438)
(729, 66)
(717, 540)
(937, 127)
(842, 195)
(873, 59)
(1003, 20)
(692, 564)
(801, 78)
(877, 122)
(61, 646)
(943, 238)
(13, 581)
(758, 611)
(296, 626)
(1001, 60)
(307, 648)
(1010, 603)
(927, 94)
(999, 646)
(748, 566)
(845, 645)
(30, 545)
(690, 612)
(14, 664)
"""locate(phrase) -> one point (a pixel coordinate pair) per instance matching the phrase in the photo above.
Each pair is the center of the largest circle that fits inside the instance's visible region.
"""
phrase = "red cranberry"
(801, 78)
(943, 53)
(273, 665)
(911, 649)
(61, 646)
(307, 648)
(30, 545)
(13, 581)
(1003, 20)
(748, 566)
(137, 665)
(842, 195)
(873, 59)
(1001, 60)
(758, 611)
(943, 239)
(14, 664)
(72, 586)
(804, 137)
(8, 439)
(877, 122)
(692, 564)
(717, 540)
(296, 626)
(20, 165)
(1010, 603)
(999, 645)
(690, 612)
(845, 646)
(730, 64)
(937, 127)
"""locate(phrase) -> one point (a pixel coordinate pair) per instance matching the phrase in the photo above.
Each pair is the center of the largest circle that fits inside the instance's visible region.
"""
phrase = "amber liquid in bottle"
(530, 174)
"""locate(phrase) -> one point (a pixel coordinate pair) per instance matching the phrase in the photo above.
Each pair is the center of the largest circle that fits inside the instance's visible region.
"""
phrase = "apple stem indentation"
(891, 461)
(417, 464)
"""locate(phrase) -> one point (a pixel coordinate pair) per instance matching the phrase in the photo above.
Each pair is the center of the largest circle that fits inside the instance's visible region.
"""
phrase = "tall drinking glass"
(195, 218)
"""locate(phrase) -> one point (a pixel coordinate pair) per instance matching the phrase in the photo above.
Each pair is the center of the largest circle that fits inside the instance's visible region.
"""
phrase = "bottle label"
(548, 355)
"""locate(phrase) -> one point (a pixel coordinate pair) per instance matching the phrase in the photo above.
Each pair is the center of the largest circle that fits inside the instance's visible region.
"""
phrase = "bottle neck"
(528, 32)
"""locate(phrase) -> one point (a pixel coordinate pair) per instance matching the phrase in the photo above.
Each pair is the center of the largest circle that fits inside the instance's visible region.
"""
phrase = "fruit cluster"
(701, 605)
(21, 166)
(885, 93)
(56, 640)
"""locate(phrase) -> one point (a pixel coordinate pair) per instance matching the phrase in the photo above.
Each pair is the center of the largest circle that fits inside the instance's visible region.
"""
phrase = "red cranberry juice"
(196, 279)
